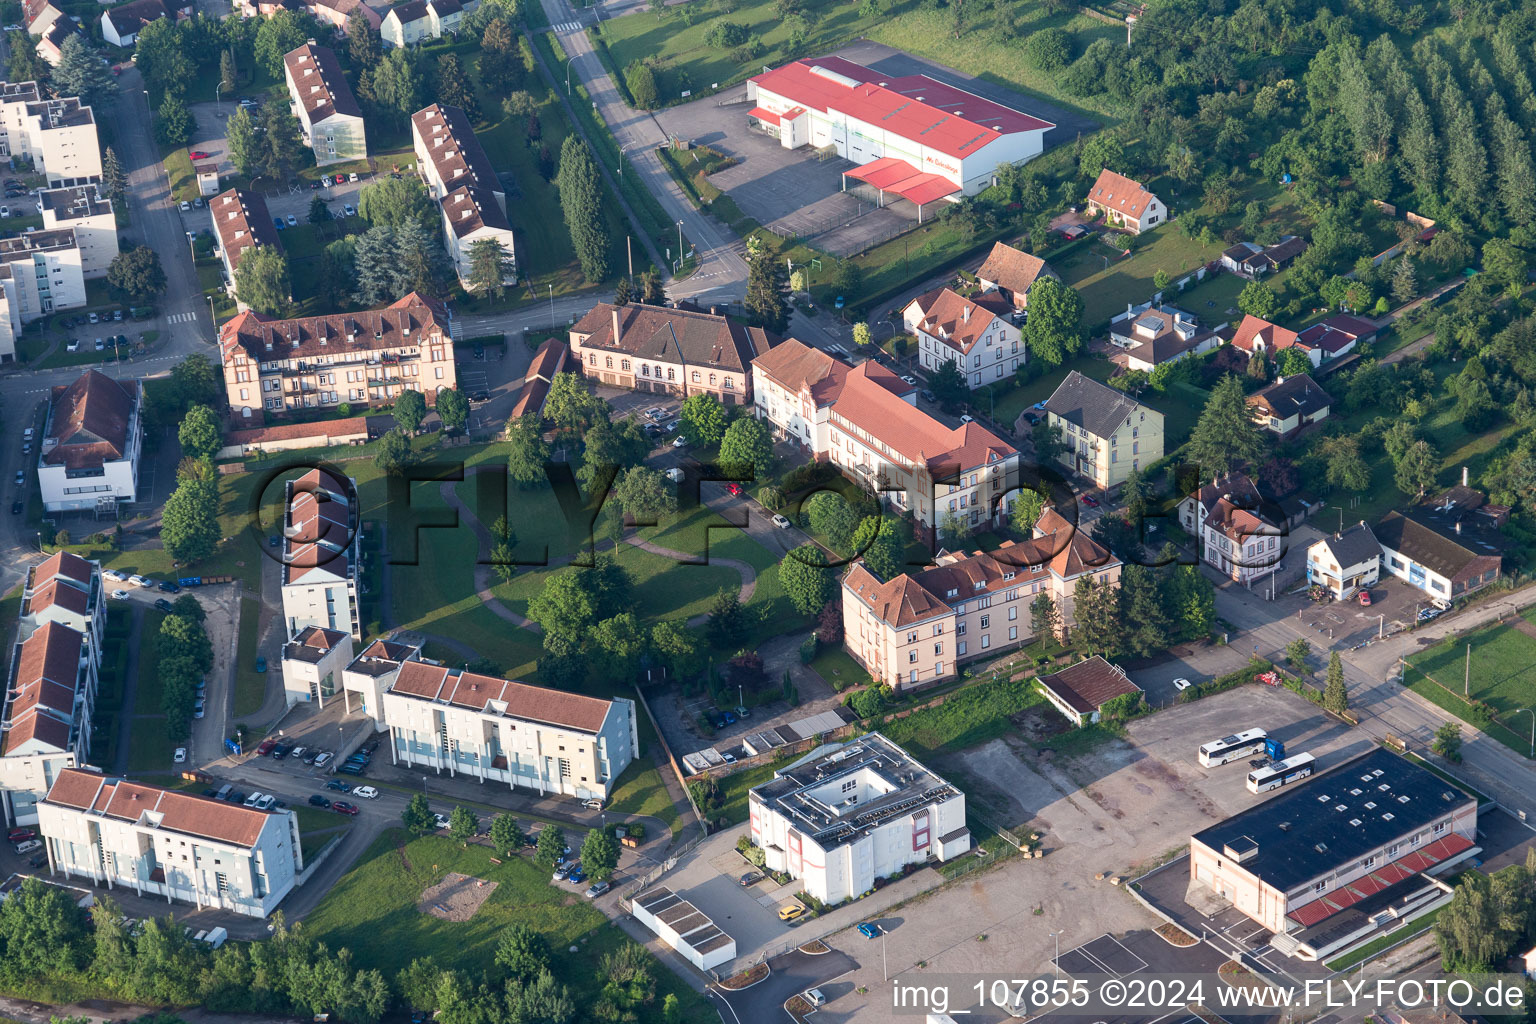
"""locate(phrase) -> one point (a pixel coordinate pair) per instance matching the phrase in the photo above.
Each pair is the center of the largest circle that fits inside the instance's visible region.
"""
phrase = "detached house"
(1289, 404)
(548, 361)
(976, 335)
(1107, 433)
(1345, 563)
(1012, 273)
(420, 20)
(1335, 337)
(1252, 261)
(1160, 335)
(1125, 203)
(120, 26)
(1236, 531)
(323, 102)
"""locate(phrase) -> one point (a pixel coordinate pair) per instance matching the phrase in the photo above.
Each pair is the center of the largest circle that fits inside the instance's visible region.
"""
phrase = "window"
(986, 621)
(938, 648)
(986, 640)
(645, 369)
(1368, 863)
(624, 364)
(1013, 613)
(1013, 632)
(439, 370)
(730, 384)
(695, 376)
(938, 669)
(911, 657)
(938, 629)
(712, 379)
(1439, 827)
(1321, 886)
(608, 362)
(591, 358)
(960, 649)
(670, 374)
(912, 638)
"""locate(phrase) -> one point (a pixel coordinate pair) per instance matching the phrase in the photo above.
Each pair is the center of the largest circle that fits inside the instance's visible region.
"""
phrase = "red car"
(1090, 501)
(341, 179)
(1365, 598)
(342, 807)
(265, 748)
(20, 835)
(735, 489)
(198, 154)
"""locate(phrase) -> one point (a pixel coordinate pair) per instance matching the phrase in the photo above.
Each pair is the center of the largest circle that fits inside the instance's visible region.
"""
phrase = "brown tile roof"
(899, 602)
(1012, 269)
(1297, 395)
(388, 650)
(476, 692)
(469, 208)
(168, 809)
(408, 323)
(57, 592)
(1253, 331)
(1166, 333)
(90, 421)
(1121, 194)
(912, 434)
(957, 321)
(131, 17)
(322, 88)
(1070, 549)
(319, 637)
(411, 10)
(452, 146)
(47, 669)
(324, 432)
(1235, 508)
(1089, 685)
(547, 360)
(241, 220)
(674, 335)
(61, 563)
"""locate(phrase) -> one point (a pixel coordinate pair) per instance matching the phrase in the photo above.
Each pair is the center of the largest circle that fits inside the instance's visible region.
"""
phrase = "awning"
(766, 116)
(888, 174)
(1399, 870)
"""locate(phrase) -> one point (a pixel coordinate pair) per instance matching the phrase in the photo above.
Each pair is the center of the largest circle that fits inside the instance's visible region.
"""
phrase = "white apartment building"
(51, 681)
(371, 673)
(160, 842)
(459, 175)
(976, 335)
(85, 211)
(320, 535)
(92, 441)
(313, 661)
(1346, 562)
(496, 730)
(318, 94)
(865, 421)
(1236, 534)
(46, 274)
(58, 135)
(847, 814)
(417, 21)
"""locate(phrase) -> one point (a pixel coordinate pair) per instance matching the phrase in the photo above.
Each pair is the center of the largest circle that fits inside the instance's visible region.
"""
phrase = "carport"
(888, 174)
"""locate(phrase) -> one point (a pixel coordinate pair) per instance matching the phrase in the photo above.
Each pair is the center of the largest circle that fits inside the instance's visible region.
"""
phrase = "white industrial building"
(844, 816)
(85, 211)
(913, 137)
(321, 99)
(320, 533)
(91, 446)
(162, 842)
(51, 681)
(684, 927)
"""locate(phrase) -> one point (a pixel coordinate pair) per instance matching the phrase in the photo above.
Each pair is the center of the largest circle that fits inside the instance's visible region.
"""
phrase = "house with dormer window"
(976, 335)
(1107, 433)
(1126, 204)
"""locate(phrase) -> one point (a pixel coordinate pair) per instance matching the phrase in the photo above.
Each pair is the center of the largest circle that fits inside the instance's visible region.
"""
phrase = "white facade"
(417, 22)
(59, 136)
(320, 536)
(164, 843)
(846, 815)
(318, 94)
(79, 469)
(312, 665)
(983, 346)
(48, 270)
(89, 215)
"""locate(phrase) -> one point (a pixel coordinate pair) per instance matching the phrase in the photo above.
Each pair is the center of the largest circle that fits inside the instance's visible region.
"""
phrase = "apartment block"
(318, 93)
(92, 441)
(417, 21)
(469, 193)
(1107, 433)
(320, 538)
(313, 661)
(58, 135)
(668, 351)
(161, 842)
(272, 367)
(976, 336)
(241, 222)
(85, 211)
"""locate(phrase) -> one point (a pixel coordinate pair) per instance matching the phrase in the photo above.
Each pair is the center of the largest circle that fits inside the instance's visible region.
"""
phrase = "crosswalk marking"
(181, 318)
(568, 26)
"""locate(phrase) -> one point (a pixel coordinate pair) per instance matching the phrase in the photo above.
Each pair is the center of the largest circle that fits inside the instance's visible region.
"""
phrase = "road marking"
(568, 26)
(181, 318)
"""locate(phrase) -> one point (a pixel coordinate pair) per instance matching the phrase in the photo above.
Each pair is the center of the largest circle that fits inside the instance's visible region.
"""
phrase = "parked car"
(366, 793)
(734, 489)
(966, 418)
(323, 758)
(1090, 501)
(186, 207)
(781, 522)
(310, 755)
(598, 888)
(277, 222)
(261, 663)
(868, 930)
(319, 801)
(141, 581)
(169, 587)
(790, 911)
(561, 873)
(342, 807)
(440, 821)
(265, 748)
(179, 755)
(160, 603)
(679, 443)
(18, 835)
(293, 221)
(593, 804)
(199, 709)
(297, 753)
(338, 786)
(1365, 598)
(115, 575)
(21, 478)
(120, 595)
(198, 154)
(348, 211)
(350, 769)
(1181, 684)
(16, 508)
(928, 396)
(750, 878)
(281, 751)
(29, 846)
(908, 379)
(350, 177)
(577, 876)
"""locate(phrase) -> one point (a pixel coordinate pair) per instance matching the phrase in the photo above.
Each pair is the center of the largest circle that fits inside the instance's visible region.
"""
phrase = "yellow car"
(790, 911)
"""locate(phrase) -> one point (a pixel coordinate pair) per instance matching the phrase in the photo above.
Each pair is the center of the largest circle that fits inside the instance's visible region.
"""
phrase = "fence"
(677, 770)
(652, 876)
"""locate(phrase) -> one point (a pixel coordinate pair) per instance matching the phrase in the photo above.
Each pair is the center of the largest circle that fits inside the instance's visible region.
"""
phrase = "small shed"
(1080, 690)
(207, 179)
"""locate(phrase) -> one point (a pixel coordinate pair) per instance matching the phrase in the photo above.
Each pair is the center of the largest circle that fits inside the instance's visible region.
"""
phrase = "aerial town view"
(738, 511)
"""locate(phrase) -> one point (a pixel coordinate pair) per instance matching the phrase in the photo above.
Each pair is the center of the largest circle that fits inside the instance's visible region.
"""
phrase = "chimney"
(618, 333)
(1463, 476)
(965, 317)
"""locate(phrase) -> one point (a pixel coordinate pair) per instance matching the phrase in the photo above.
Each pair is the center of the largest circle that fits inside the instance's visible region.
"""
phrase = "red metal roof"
(1353, 892)
(763, 115)
(892, 175)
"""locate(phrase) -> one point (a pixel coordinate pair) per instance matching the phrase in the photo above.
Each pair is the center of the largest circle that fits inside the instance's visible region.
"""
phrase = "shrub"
(641, 82)
(725, 34)
(1049, 50)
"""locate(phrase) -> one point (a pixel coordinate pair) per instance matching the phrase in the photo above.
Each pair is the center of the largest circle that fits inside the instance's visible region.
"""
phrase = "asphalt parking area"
(1394, 606)
(1104, 955)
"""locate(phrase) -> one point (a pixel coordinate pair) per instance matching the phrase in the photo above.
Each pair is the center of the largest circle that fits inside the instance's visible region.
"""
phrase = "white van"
(29, 846)
(253, 799)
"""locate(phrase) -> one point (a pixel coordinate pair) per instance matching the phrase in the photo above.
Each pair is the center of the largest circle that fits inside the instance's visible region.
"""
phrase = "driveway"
(792, 973)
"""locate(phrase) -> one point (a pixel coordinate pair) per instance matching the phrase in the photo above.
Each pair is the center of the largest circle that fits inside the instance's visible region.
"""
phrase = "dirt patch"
(1039, 724)
(814, 948)
(747, 978)
(456, 897)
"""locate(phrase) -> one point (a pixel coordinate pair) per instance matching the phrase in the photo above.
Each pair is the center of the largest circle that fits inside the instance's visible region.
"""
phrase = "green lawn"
(250, 685)
(973, 715)
(373, 911)
(148, 749)
(734, 789)
(1503, 676)
(640, 790)
(1107, 289)
(1419, 924)
(664, 587)
(837, 667)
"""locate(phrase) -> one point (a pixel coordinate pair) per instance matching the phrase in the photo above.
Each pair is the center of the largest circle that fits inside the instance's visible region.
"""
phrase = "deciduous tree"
(746, 448)
(136, 275)
(702, 420)
(506, 834)
(199, 432)
(189, 525)
(261, 280)
(527, 451)
(600, 854)
(1054, 330)
(806, 578)
(644, 494)
(417, 816)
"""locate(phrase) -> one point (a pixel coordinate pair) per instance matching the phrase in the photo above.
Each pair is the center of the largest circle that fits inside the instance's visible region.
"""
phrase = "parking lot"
(1394, 606)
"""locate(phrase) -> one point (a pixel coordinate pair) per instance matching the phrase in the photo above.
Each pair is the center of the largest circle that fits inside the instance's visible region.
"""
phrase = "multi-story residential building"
(460, 177)
(59, 137)
(1159, 335)
(837, 820)
(918, 628)
(371, 673)
(320, 537)
(1237, 532)
(321, 99)
(15, 97)
(1125, 203)
(85, 211)
(51, 681)
(976, 335)
(47, 270)
(1345, 562)
(1080, 691)
(92, 441)
(1012, 273)
(1107, 434)
(865, 421)
(416, 21)
(1448, 546)
(120, 25)
(671, 351)
(241, 221)
(497, 730)
(1289, 404)
(162, 842)
(316, 362)
(313, 661)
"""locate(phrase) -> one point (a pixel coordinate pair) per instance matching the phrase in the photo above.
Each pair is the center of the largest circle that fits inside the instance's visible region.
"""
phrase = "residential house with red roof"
(1012, 273)
(865, 421)
(320, 540)
(498, 730)
(1238, 533)
(976, 335)
(51, 681)
(918, 628)
(165, 843)
(668, 351)
(1126, 204)
(92, 441)
(1255, 335)
(914, 138)
(1335, 337)
(321, 99)
(468, 190)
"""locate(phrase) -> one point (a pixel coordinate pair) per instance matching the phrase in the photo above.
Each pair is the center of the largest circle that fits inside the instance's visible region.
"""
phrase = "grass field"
(250, 685)
(1503, 676)
(1106, 290)
(974, 715)
(372, 911)
(640, 790)
(838, 668)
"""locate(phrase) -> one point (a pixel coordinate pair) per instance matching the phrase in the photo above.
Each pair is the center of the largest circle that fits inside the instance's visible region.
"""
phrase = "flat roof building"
(848, 814)
(84, 210)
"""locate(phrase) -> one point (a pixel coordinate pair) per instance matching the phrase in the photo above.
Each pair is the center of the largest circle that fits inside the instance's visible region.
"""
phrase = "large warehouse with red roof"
(913, 137)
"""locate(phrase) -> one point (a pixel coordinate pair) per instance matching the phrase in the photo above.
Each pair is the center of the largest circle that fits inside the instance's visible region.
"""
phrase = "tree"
(261, 280)
(452, 408)
(136, 275)
(392, 202)
(651, 291)
(114, 179)
(830, 514)
(644, 494)
(550, 848)
(1258, 299)
(640, 80)
(1258, 366)
(1417, 468)
(410, 410)
(618, 643)
(506, 834)
(229, 76)
(189, 526)
(194, 381)
(489, 264)
(1482, 922)
(600, 854)
(1335, 695)
(1345, 467)
(462, 824)
(199, 432)
(1044, 616)
(581, 200)
(527, 451)
(282, 147)
(676, 647)
(747, 448)
(702, 420)
(1054, 330)
(948, 385)
(767, 299)
(878, 541)
(1507, 263)
(1028, 505)
(1050, 50)
(1296, 653)
(1149, 627)
(1099, 625)
(453, 86)
(79, 72)
(1225, 437)
(806, 578)
(1292, 361)
(173, 122)
(280, 34)
(26, 64)
(363, 46)
(727, 618)
(395, 454)
(1447, 742)
(1405, 281)
(523, 952)
(319, 212)
(41, 931)
(417, 816)
(245, 150)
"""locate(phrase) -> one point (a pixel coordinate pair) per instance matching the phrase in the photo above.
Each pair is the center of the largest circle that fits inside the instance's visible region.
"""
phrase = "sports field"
(1502, 676)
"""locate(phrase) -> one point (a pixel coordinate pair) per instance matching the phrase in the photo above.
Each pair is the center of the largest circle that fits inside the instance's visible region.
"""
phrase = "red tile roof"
(167, 809)
(868, 406)
(61, 563)
(1253, 332)
(475, 692)
(899, 602)
(1012, 269)
(455, 151)
(324, 432)
(319, 637)
(1089, 685)
(1118, 193)
(957, 321)
(58, 593)
(90, 422)
(241, 220)
(321, 87)
(407, 324)
(43, 705)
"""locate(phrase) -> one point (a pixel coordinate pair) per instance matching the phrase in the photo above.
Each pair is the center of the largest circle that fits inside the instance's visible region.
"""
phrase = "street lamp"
(621, 158)
(885, 968)
(1055, 964)
(218, 88)
(1533, 730)
(679, 246)
(568, 61)
(552, 306)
